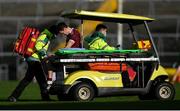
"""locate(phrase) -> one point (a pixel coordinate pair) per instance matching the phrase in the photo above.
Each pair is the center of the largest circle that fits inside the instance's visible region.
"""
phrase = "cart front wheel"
(83, 92)
(164, 91)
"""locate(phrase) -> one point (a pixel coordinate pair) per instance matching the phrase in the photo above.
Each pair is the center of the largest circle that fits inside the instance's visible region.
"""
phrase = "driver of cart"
(97, 41)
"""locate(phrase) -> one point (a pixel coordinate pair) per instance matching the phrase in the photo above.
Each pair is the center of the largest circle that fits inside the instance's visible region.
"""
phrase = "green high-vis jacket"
(98, 42)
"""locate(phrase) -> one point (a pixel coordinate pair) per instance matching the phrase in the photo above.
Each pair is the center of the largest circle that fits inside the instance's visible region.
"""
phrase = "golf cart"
(83, 74)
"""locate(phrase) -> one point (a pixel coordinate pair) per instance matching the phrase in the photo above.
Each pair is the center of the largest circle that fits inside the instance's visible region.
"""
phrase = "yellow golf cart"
(83, 74)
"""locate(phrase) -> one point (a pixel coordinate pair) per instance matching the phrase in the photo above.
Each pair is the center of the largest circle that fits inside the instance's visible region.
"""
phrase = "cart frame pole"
(152, 41)
(120, 26)
(82, 33)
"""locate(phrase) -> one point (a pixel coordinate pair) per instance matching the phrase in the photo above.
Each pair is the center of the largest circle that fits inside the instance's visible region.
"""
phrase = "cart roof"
(108, 17)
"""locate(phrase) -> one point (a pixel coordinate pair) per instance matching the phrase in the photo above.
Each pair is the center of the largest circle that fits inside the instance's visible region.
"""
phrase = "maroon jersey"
(76, 36)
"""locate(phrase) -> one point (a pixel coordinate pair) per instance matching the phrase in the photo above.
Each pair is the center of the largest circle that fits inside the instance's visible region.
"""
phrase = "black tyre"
(164, 91)
(83, 92)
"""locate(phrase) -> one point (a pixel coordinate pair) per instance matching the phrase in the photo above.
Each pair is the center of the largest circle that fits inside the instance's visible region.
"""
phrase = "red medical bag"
(26, 41)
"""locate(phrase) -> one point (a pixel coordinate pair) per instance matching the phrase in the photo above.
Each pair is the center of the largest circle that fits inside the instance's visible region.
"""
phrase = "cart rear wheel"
(83, 92)
(164, 91)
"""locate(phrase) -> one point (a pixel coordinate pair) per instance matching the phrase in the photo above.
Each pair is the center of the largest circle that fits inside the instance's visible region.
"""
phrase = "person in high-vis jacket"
(35, 67)
(97, 41)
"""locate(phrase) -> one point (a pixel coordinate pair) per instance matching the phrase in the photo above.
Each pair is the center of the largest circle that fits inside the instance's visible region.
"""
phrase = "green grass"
(30, 99)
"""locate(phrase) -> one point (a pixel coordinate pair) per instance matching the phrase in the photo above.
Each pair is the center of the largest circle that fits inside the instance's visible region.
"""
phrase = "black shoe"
(12, 99)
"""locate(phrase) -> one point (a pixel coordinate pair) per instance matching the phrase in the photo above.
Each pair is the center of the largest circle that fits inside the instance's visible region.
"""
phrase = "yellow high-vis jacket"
(42, 45)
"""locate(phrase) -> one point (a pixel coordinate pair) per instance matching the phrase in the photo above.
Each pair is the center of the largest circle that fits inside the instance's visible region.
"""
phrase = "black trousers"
(34, 70)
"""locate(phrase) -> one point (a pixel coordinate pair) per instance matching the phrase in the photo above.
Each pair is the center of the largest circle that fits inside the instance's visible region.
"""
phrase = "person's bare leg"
(50, 74)
(49, 79)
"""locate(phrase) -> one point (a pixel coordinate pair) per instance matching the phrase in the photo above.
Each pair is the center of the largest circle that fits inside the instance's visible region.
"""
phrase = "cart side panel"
(100, 79)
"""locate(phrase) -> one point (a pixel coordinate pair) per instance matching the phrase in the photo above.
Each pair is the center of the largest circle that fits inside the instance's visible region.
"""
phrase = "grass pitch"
(30, 99)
